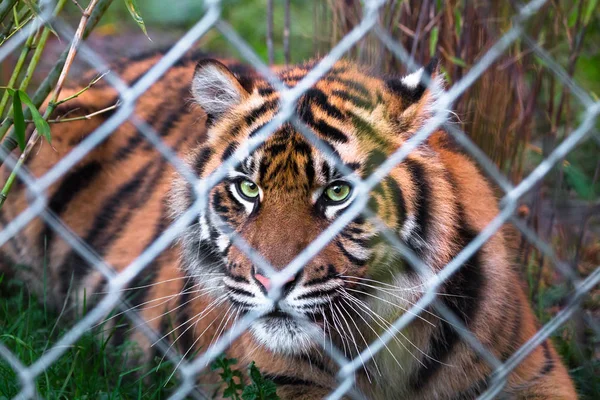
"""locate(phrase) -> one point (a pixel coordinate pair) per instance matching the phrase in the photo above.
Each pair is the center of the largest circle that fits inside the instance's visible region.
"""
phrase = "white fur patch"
(284, 335)
(412, 81)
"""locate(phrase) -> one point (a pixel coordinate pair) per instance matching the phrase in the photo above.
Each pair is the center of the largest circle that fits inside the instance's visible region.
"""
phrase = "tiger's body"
(122, 195)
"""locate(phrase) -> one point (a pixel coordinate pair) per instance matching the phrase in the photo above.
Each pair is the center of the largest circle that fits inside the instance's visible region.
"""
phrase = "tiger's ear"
(216, 89)
(416, 95)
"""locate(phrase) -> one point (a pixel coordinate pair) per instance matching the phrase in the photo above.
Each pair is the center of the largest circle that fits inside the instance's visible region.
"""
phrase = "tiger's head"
(283, 194)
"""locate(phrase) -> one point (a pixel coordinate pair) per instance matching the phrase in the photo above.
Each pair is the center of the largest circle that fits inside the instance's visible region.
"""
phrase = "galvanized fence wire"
(188, 370)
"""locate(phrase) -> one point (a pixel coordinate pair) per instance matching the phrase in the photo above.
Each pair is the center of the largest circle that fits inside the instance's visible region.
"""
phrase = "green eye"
(338, 192)
(248, 189)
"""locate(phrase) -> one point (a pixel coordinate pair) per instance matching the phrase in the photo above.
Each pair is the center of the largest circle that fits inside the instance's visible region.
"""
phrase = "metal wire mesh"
(188, 369)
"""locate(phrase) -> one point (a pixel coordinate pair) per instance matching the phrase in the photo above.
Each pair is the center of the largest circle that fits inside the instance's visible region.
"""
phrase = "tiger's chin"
(283, 334)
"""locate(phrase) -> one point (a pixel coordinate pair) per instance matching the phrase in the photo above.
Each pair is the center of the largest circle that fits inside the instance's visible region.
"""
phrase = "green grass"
(92, 368)
(89, 369)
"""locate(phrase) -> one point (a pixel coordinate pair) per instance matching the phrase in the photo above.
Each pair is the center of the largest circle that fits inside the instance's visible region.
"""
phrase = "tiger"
(277, 198)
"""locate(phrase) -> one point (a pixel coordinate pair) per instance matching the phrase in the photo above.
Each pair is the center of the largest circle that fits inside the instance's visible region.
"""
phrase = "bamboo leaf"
(40, 123)
(35, 10)
(133, 9)
(591, 7)
(18, 118)
(433, 40)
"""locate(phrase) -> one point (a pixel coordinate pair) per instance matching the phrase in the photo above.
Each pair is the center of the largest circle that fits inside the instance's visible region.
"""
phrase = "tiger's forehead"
(345, 111)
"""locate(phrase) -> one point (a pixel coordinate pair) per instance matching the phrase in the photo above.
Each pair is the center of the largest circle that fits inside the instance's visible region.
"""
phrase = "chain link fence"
(189, 369)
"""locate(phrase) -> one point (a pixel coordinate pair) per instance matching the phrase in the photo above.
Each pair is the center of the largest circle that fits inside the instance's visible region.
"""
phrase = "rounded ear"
(216, 89)
(417, 94)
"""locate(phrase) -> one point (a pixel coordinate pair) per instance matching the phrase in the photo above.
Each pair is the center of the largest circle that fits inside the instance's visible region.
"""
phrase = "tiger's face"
(280, 196)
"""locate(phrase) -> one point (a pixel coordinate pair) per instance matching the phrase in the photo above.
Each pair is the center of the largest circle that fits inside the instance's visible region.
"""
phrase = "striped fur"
(123, 195)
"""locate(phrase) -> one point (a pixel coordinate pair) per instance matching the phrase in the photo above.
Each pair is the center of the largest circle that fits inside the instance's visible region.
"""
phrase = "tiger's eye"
(338, 192)
(248, 189)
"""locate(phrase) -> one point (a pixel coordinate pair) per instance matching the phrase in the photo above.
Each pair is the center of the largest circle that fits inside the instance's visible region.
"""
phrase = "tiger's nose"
(266, 282)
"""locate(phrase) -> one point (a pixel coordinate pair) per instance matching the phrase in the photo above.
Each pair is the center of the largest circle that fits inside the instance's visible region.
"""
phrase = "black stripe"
(398, 198)
(172, 118)
(256, 113)
(468, 284)
(350, 257)
(130, 196)
(422, 201)
(201, 159)
(305, 114)
(75, 182)
(186, 336)
(330, 132)
(349, 83)
(228, 151)
(549, 363)
(284, 380)
(134, 299)
(356, 101)
(317, 97)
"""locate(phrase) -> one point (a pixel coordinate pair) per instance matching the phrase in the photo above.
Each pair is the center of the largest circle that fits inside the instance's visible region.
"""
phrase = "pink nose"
(266, 282)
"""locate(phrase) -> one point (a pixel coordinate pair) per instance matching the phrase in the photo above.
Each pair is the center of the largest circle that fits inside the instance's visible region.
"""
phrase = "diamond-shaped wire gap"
(129, 97)
(533, 238)
(405, 251)
(89, 56)
(98, 263)
(543, 334)
(559, 71)
(448, 314)
(27, 383)
(438, 279)
(115, 286)
(556, 155)
(483, 161)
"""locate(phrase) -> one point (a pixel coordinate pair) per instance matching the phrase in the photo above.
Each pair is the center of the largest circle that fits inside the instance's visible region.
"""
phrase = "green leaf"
(433, 40)
(457, 21)
(35, 10)
(591, 7)
(458, 61)
(580, 182)
(40, 123)
(18, 118)
(133, 9)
